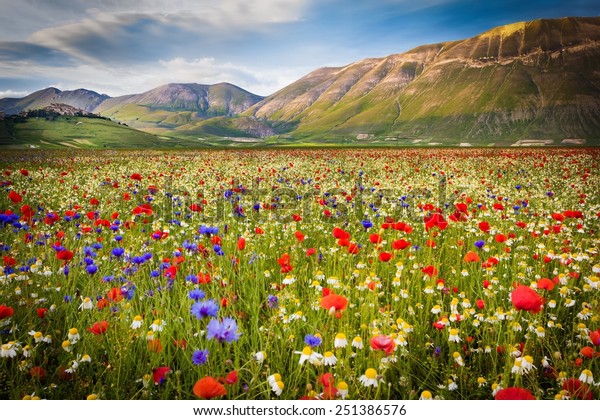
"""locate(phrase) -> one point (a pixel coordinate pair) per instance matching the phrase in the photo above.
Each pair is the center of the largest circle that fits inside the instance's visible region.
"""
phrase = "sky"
(120, 47)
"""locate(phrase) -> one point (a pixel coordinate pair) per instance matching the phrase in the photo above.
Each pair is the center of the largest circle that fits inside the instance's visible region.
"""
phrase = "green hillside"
(79, 132)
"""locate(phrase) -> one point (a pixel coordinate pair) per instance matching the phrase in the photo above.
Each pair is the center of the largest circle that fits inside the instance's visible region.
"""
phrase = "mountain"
(176, 104)
(83, 99)
(527, 80)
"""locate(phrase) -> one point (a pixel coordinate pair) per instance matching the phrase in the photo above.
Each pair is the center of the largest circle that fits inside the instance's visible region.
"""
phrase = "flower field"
(287, 274)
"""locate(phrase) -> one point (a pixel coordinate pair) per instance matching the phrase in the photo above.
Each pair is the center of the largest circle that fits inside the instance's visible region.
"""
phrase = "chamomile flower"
(136, 323)
(158, 325)
(73, 335)
(357, 342)
(308, 354)
(37, 336)
(67, 346)
(458, 358)
(453, 337)
(426, 395)
(86, 304)
(369, 378)
(342, 389)
(329, 359)
(522, 365)
(9, 349)
(340, 341)
(259, 356)
(586, 376)
(277, 387)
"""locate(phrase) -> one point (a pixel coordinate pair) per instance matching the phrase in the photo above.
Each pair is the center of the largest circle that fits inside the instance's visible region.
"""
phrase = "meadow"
(288, 274)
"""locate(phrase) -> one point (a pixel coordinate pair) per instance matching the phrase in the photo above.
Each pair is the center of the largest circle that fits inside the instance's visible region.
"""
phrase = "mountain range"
(527, 80)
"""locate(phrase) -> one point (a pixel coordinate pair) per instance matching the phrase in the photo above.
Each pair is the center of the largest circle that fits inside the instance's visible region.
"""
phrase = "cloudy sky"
(120, 47)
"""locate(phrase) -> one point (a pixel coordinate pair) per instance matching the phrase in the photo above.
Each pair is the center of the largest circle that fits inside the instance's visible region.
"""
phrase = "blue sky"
(121, 47)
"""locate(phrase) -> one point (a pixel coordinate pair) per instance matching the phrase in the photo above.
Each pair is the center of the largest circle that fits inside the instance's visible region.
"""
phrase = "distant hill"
(528, 80)
(86, 100)
(170, 106)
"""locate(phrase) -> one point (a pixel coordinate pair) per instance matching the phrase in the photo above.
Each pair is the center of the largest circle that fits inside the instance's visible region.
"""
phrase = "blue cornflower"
(312, 340)
(205, 308)
(196, 294)
(479, 243)
(226, 330)
(91, 269)
(200, 357)
(218, 250)
(367, 224)
(118, 252)
(272, 301)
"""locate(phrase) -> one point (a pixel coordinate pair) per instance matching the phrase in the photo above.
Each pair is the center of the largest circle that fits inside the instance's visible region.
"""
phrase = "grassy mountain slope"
(534, 79)
(79, 132)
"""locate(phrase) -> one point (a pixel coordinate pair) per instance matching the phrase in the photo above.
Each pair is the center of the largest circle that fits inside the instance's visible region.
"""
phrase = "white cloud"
(13, 94)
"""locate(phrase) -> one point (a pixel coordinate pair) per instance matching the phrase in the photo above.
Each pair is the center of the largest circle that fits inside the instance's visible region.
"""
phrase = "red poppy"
(375, 238)
(41, 312)
(334, 304)
(24, 172)
(37, 372)
(430, 270)
(472, 256)
(102, 303)
(232, 377)
(203, 278)
(527, 299)
(241, 244)
(115, 294)
(435, 220)
(99, 327)
(588, 352)
(208, 387)
(159, 375)
(64, 255)
(545, 283)
(94, 201)
(296, 217)
(9, 261)
(339, 233)
(595, 337)
(15, 197)
(385, 256)
(480, 303)
(500, 238)
(400, 244)
(195, 207)
(577, 390)
(484, 227)
(383, 342)
(136, 177)
(299, 236)
(6, 311)
(310, 251)
(284, 262)
(514, 394)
